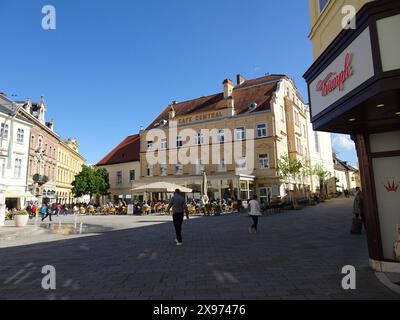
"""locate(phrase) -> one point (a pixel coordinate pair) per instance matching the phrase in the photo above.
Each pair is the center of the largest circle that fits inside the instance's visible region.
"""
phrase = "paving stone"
(296, 255)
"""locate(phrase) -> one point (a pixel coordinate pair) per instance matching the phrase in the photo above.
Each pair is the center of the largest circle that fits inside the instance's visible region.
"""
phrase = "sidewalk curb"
(387, 283)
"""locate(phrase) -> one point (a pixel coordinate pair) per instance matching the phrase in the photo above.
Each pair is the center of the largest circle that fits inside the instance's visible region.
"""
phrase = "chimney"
(50, 125)
(228, 88)
(230, 103)
(172, 113)
(240, 79)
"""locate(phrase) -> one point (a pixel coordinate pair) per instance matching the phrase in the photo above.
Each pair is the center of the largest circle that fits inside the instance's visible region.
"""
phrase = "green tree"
(289, 169)
(323, 175)
(91, 181)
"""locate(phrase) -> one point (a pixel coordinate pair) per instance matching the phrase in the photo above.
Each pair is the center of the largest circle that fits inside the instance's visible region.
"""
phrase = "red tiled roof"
(127, 151)
(257, 91)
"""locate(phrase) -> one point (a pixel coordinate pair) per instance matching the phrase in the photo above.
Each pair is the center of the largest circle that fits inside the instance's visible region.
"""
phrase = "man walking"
(179, 208)
(45, 210)
(254, 212)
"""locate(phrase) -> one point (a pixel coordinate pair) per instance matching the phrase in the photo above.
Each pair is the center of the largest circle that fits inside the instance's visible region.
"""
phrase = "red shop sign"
(336, 80)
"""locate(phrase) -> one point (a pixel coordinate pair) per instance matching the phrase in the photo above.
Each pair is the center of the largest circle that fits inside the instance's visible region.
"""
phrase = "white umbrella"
(161, 187)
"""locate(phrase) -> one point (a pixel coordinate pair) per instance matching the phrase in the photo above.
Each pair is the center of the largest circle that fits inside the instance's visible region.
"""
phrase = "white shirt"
(254, 208)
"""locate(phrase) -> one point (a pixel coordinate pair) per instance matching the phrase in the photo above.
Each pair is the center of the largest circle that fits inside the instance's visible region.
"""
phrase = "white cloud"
(341, 141)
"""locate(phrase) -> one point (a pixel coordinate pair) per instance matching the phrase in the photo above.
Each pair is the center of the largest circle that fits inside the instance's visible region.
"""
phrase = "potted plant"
(21, 218)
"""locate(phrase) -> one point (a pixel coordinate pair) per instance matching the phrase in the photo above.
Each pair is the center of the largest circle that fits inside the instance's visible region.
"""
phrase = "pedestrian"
(254, 211)
(34, 210)
(75, 209)
(46, 211)
(179, 208)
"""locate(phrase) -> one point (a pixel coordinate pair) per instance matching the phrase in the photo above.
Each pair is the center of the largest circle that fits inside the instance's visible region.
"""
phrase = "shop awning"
(19, 194)
(161, 187)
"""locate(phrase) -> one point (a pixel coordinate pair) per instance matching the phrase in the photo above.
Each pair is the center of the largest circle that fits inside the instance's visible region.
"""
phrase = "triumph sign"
(351, 68)
(336, 80)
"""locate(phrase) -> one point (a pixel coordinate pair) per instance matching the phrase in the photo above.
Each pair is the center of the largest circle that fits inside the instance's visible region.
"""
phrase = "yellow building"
(69, 164)
(236, 137)
(354, 86)
(326, 21)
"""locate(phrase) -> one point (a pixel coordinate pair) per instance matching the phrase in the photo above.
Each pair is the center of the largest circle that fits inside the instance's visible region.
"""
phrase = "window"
(263, 160)
(163, 144)
(322, 5)
(149, 171)
(282, 114)
(163, 170)
(296, 119)
(304, 131)
(178, 169)
(4, 131)
(240, 133)
(261, 130)
(149, 145)
(18, 168)
(20, 135)
(40, 143)
(119, 177)
(299, 146)
(199, 139)
(179, 142)
(221, 136)
(316, 138)
(222, 166)
(132, 175)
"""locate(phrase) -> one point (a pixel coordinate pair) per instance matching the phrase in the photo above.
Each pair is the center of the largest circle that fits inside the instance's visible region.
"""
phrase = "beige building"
(69, 164)
(326, 21)
(265, 117)
(353, 87)
(122, 165)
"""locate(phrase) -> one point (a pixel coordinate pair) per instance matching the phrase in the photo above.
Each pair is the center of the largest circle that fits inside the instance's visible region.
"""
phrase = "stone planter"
(21, 220)
(2, 219)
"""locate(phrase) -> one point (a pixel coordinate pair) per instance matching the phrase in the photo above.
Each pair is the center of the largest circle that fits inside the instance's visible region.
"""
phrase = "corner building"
(354, 88)
(270, 107)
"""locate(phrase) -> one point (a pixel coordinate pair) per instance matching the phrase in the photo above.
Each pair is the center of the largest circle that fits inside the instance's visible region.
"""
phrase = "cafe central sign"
(200, 117)
(336, 80)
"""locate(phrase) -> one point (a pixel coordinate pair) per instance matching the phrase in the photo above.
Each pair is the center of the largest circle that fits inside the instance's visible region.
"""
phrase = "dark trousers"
(178, 220)
(48, 214)
(255, 222)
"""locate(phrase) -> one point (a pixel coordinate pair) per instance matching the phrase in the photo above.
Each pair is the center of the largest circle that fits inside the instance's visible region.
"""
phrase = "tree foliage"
(91, 181)
(289, 168)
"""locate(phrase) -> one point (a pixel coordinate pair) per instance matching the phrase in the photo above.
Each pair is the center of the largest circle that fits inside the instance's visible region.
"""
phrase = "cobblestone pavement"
(296, 255)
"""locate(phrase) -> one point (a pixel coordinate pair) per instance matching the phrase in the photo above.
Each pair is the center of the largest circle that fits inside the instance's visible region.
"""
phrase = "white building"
(346, 176)
(14, 153)
(320, 148)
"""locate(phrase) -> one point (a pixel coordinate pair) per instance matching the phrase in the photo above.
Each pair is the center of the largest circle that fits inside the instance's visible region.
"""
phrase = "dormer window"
(253, 106)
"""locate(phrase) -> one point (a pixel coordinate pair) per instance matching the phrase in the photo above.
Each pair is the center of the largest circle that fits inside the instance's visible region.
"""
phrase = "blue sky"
(112, 66)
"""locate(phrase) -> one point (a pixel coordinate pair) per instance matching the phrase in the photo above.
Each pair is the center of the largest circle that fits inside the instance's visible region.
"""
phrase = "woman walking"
(254, 212)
